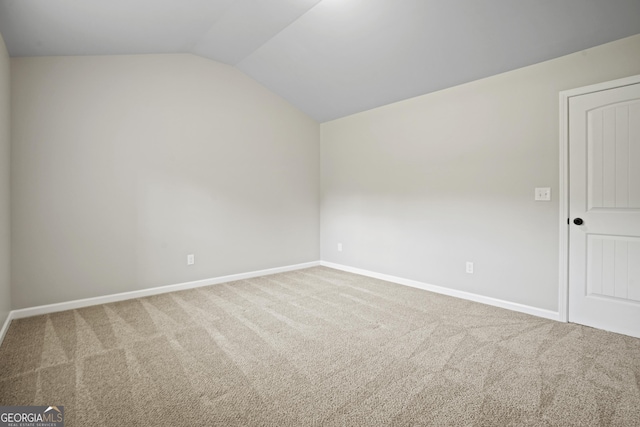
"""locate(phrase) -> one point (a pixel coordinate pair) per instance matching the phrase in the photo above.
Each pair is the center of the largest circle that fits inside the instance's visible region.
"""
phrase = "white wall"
(5, 135)
(417, 188)
(123, 165)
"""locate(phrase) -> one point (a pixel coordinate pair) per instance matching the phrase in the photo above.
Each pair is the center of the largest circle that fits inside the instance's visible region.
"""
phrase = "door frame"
(563, 188)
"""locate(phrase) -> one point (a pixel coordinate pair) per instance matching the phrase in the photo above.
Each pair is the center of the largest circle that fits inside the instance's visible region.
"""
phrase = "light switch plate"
(543, 194)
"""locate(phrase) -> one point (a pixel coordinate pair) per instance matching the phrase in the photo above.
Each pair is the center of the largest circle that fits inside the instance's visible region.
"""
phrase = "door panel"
(604, 191)
(614, 158)
(611, 271)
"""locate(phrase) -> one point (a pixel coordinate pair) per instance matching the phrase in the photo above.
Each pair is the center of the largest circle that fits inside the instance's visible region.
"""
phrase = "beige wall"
(417, 188)
(5, 135)
(123, 165)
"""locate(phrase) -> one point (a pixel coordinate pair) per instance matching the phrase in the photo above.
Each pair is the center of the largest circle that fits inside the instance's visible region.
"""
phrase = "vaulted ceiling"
(330, 58)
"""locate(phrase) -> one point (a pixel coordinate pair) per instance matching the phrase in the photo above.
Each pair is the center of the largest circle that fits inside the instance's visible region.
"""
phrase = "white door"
(604, 194)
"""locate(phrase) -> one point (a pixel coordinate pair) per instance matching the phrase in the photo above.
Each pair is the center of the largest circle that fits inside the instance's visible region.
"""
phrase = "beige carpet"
(318, 347)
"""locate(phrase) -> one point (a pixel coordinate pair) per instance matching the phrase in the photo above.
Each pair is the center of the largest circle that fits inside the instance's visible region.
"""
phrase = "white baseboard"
(5, 326)
(70, 305)
(540, 312)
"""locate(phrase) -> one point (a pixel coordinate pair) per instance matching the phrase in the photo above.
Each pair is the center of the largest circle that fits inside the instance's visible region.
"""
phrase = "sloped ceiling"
(330, 58)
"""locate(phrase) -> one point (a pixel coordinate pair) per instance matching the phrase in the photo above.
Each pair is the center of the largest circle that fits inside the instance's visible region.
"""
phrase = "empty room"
(319, 213)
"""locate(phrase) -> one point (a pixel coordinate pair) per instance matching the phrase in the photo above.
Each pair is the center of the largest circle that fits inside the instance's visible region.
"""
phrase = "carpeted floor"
(318, 347)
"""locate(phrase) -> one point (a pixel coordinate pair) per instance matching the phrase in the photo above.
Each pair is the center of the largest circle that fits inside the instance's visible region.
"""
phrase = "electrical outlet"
(191, 259)
(469, 267)
(339, 247)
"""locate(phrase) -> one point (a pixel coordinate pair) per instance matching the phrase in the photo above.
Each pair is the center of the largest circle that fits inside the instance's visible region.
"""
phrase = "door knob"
(578, 221)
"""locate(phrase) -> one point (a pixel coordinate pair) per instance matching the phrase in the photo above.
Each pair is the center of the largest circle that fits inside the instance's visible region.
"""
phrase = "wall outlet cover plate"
(543, 194)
